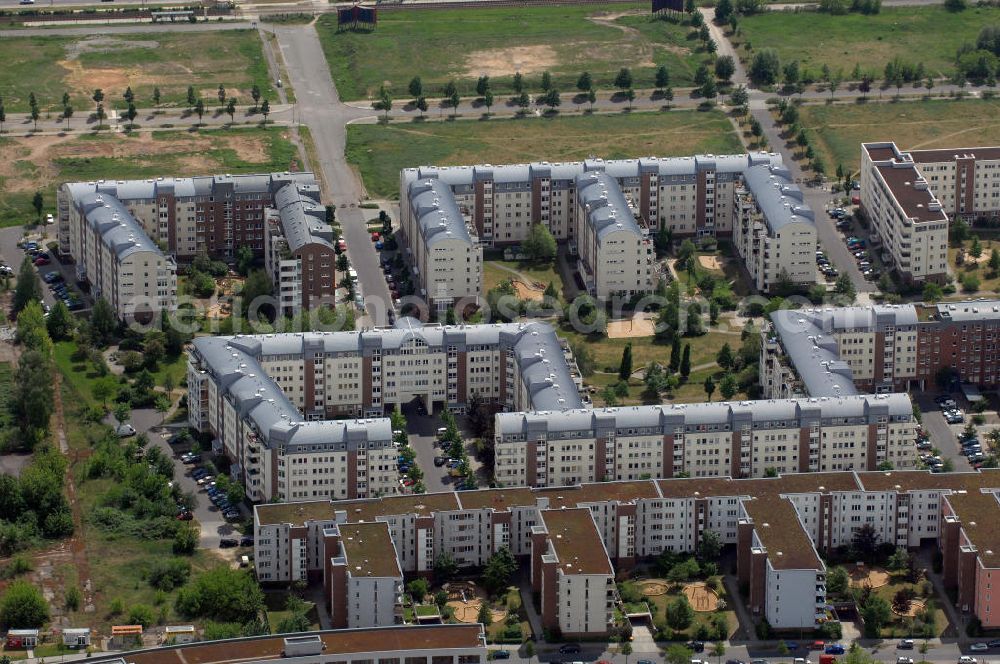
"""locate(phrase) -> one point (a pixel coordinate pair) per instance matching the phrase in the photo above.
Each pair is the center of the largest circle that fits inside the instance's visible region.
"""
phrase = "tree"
(416, 87)
(101, 115)
(484, 616)
(719, 650)
(677, 653)
(540, 245)
(591, 98)
(701, 74)
(551, 99)
(662, 79)
(221, 95)
(265, 109)
(686, 361)
(488, 100)
(191, 98)
(445, 568)
(3, 115)
(546, 81)
(60, 322)
(129, 96)
(156, 95)
(876, 613)
(454, 100)
(185, 541)
(864, 541)
(23, 606)
(231, 109)
(257, 285)
(625, 368)
(130, 114)
(837, 581)
(222, 593)
(725, 358)
(630, 97)
(199, 108)
(625, 649)
(844, 286)
(709, 387)
(976, 248)
(482, 85)
(729, 386)
(994, 261)
(523, 101)
(422, 105)
(29, 288)
(38, 202)
(499, 570)
(679, 613)
(584, 358)
(623, 79)
(725, 67)
(765, 66)
(103, 323)
(98, 96)
(584, 82)
(518, 83)
(710, 546)
(417, 589)
(955, 5)
(104, 388)
(675, 354)
(723, 11)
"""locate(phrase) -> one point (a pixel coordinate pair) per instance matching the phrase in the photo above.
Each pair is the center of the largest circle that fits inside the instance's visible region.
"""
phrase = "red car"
(185, 516)
(375, 237)
(41, 260)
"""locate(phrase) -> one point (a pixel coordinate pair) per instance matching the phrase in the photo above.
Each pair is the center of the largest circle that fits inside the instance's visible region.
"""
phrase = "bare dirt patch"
(639, 326)
(504, 61)
(916, 606)
(702, 597)
(653, 588)
(466, 599)
(528, 291)
(867, 576)
(710, 262)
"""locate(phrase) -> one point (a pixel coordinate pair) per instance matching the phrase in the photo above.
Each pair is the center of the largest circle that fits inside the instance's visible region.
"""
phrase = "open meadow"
(839, 129)
(929, 34)
(52, 65)
(41, 163)
(440, 45)
(380, 151)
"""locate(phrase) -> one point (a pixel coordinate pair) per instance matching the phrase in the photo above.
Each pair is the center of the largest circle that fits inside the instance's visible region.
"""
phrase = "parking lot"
(422, 431)
(11, 254)
(944, 436)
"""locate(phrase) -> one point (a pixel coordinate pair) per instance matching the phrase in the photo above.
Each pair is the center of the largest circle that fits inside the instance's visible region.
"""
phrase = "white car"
(904, 660)
(966, 659)
(979, 647)
(126, 430)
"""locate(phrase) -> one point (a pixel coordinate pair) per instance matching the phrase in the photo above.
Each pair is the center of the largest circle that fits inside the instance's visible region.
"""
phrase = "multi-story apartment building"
(264, 398)
(298, 249)
(615, 254)
(364, 585)
(738, 439)
(879, 348)
(445, 256)
(115, 256)
(581, 202)
(774, 230)
(906, 216)
(572, 574)
(277, 215)
(424, 644)
(778, 525)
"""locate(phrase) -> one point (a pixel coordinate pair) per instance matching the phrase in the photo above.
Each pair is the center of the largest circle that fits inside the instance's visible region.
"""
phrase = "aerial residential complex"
(606, 211)
(265, 398)
(880, 348)
(908, 197)
(777, 524)
(165, 220)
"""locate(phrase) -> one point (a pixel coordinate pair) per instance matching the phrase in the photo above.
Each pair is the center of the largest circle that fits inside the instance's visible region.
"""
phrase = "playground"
(466, 598)
(872, 577)
(702, 597)
(533, 291)
(640, 325)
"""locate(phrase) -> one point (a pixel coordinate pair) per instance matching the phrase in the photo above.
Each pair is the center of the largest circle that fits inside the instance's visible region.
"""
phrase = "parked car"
(184, 516)
(231, 515)
(904, 660)
(194, 458)
(505, 654)
(228, 543)
(246, 540)
(995, 643)
(695, 646)
(905, 644)
(571, 649)
(966, 659)
(834, 649)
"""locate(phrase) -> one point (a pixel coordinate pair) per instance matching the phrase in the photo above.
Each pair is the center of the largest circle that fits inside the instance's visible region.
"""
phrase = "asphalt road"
(944, 436)
(325, 116)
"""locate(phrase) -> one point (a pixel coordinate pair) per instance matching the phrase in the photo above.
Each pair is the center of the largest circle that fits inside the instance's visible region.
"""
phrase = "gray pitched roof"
(664, 418)
(436, 211)
(605, 205)
(118, 229)
(303, 219)
(807, 339)
(780, 200)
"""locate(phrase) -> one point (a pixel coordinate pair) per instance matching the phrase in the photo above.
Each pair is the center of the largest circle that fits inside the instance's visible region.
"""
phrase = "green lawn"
(381, 151)
(839, 130)
(494, 274)
(50, 66)
(442, 45)
(25, 168)
(930, 35)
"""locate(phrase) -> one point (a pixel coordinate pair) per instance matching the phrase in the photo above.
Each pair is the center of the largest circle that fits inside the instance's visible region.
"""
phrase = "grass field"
(43, 162)
(840, 129)
(440, 45)
(930, 35)
(50, 66)
(380, 151)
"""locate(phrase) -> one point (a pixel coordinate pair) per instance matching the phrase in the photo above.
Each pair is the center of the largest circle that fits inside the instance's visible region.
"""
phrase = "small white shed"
(76, 637)
(178, 633)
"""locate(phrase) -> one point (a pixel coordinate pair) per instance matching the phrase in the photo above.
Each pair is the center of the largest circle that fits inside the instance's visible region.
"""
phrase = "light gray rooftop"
(607, 210)
(434, 207)
(303, 219)
(780, 200)
(973, 310)
(118, 229)
(664, 418)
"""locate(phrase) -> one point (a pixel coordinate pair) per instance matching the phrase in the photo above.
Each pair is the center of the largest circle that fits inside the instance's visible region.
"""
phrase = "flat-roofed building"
(905, 215)
(571, 574)
(363, 580)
